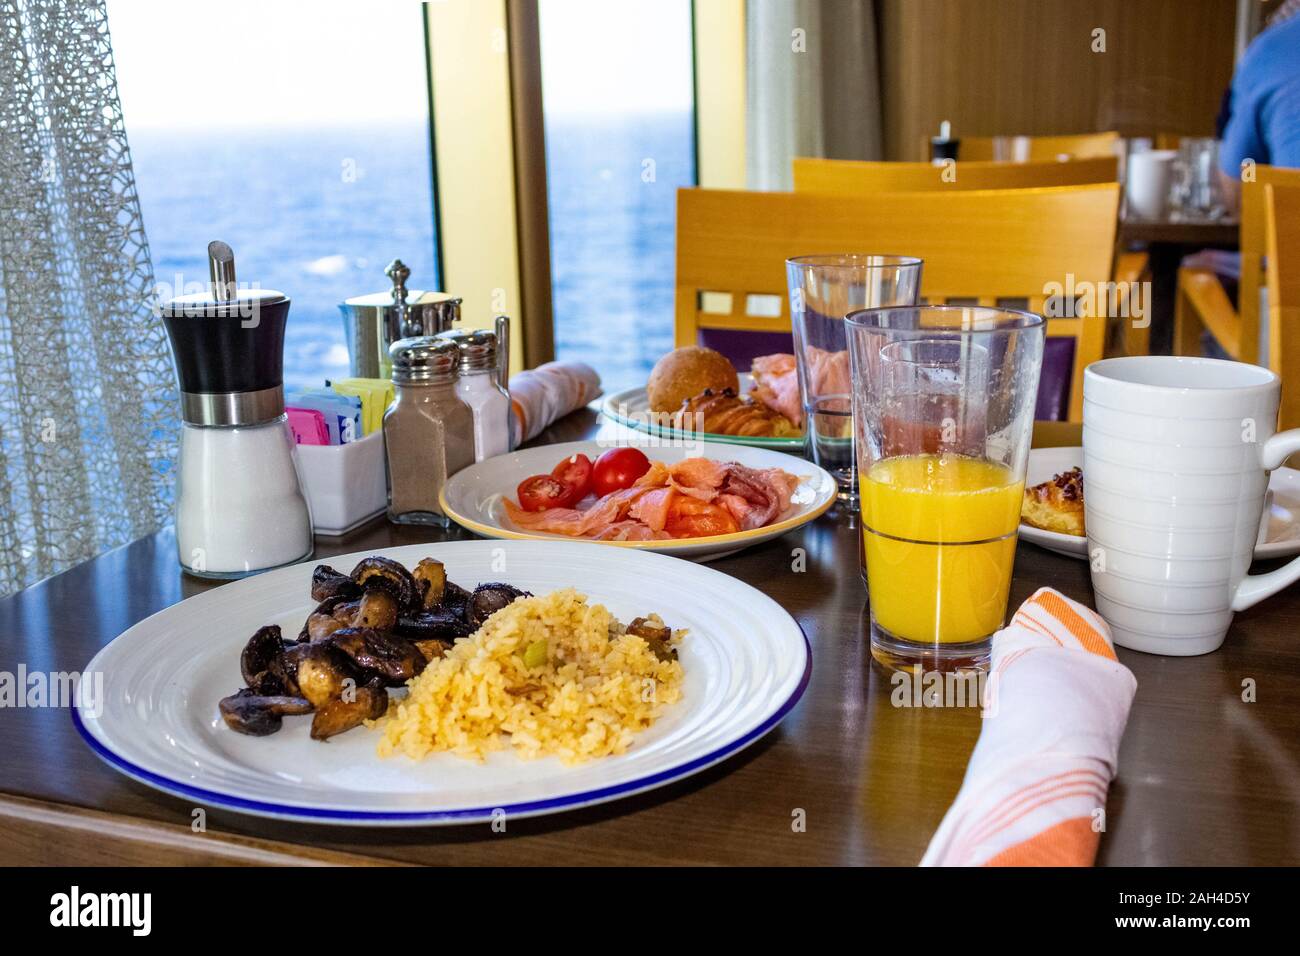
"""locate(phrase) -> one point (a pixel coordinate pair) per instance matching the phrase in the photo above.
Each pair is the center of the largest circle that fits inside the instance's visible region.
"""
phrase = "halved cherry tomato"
(691, 518)
(575, 471)
(618, 468)
(545, 491)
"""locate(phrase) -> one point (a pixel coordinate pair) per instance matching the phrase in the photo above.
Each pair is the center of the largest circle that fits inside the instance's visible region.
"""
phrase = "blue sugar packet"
(342, 412)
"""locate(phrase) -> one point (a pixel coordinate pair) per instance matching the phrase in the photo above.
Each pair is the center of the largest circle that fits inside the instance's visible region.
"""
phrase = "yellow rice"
(597, 689)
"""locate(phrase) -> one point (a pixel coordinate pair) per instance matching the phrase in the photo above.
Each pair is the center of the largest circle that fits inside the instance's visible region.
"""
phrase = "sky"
(609, 56)
(224, 63)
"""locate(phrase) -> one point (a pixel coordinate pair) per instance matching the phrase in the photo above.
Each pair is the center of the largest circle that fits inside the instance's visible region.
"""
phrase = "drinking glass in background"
(824, 289)
(943, 413)
(1011, 149)
(1196, 193)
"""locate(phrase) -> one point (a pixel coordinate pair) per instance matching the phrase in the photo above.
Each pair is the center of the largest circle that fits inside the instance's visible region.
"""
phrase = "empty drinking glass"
(823, 290)
(1196, 191)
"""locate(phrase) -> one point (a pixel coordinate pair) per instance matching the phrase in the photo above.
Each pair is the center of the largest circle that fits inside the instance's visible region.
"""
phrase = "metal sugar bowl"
(373, 322)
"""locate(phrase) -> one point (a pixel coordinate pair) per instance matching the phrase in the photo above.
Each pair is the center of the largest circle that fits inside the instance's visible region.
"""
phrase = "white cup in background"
(1150, 178)
(1176, 455)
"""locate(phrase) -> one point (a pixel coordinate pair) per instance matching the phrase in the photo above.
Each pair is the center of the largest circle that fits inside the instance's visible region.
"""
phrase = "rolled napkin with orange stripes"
(544, 394)
(1056, 703)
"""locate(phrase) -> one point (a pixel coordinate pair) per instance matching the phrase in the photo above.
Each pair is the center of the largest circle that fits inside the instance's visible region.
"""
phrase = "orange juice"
(940, 539)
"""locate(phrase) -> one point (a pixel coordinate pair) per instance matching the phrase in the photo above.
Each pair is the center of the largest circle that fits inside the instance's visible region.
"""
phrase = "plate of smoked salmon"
(699, 502)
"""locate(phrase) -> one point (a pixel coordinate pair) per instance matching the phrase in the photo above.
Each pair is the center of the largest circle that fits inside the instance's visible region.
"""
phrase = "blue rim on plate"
(470, 814)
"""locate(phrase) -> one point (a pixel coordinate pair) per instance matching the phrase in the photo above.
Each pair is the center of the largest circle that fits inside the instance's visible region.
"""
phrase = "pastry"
(685, 373)
(1056, 505)
(725, 413)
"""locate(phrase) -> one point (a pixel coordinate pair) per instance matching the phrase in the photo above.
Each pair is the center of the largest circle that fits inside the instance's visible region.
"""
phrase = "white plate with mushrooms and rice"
(740, 667)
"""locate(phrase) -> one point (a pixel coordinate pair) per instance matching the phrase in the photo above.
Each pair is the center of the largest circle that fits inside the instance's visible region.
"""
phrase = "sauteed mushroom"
(324, 673)
(431, 577)
(257, 657)
(320, 626)
(386, 574)
(377, 609)
(432, 648)
(441, 623)
(327, 583)
(658, 636)
(248, 712)
(285, 669)
(376, 628)
(490, 598)
(393, 659)
(366, 702)
(345, 611)
(326, 608)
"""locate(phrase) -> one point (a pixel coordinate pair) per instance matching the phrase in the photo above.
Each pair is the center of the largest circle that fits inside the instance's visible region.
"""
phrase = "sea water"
(318, 213)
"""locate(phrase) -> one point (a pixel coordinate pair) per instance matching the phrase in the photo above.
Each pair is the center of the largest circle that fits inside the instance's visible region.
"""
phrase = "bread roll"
(686, 372)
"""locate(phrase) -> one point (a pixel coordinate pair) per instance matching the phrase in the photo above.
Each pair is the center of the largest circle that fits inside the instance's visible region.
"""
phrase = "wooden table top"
(1204, 777)
(1218, 232)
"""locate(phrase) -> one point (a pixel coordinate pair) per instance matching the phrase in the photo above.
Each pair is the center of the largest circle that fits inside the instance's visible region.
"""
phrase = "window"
(299, 134)
(617, 86)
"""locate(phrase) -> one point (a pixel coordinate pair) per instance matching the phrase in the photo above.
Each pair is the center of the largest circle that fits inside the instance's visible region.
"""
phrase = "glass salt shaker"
(483, 363)
(428, 430)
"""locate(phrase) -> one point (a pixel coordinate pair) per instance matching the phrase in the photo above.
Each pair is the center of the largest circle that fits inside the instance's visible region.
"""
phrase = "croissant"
(724, 413)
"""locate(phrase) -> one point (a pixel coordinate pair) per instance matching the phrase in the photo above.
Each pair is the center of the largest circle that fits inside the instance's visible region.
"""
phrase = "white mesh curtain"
(87, 393)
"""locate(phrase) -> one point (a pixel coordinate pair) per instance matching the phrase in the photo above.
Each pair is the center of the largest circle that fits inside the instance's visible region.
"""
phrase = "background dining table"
(1209, 768)
(1166, 242)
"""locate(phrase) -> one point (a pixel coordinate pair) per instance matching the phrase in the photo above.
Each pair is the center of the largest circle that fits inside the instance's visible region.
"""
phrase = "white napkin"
(1056, 704)
(544, 394)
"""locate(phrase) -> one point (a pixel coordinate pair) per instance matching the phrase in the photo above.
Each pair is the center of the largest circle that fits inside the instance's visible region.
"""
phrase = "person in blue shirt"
(1264, 103)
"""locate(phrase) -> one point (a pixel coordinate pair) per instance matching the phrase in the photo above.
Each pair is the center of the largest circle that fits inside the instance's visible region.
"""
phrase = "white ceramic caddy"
(745, 659)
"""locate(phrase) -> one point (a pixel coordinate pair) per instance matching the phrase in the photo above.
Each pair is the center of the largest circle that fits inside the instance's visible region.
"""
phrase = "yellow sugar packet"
(376, 395)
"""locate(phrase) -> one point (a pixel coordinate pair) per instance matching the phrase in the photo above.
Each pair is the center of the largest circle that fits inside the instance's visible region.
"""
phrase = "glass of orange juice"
(943, 413)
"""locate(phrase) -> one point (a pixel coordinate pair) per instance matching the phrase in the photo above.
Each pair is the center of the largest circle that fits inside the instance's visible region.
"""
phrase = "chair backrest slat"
(852, 176)
(1282, 246)
(1253, 241)
(989, 245)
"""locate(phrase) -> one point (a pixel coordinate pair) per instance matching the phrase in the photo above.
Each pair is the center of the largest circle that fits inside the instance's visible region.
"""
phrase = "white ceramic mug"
(1176, 455)
(1150, 177)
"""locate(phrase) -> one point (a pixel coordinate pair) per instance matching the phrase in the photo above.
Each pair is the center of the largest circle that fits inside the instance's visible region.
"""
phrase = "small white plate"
(746, 664)
(473, 497)
(631, 408)
(1279, 532)
(1043, 464)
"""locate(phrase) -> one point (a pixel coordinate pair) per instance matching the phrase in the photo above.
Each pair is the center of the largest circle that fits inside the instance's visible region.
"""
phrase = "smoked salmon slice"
(753, 497)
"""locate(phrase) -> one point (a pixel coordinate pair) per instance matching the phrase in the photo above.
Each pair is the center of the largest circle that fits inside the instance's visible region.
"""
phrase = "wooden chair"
(1076, 146)
(1202, 303)
(852, 176)
(1282, 245)
(979, 246)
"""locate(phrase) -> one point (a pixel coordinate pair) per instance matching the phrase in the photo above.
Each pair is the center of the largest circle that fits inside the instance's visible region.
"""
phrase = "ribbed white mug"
(1176, 455)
